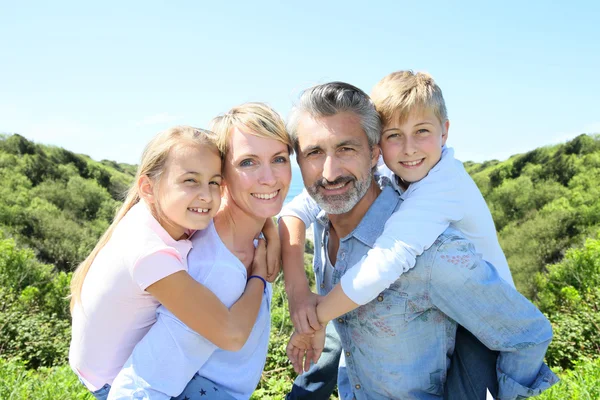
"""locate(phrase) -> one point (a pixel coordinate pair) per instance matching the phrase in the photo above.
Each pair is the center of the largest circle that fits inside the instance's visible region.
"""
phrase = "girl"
(140, 262)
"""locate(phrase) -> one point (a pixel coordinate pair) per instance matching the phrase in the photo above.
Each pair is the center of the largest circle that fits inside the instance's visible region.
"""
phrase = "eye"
(217, 183)
(392, 136)
(346, 149)
(190, 180)
(312, 153)
(422, 131)
(246, 163)
(280, 160)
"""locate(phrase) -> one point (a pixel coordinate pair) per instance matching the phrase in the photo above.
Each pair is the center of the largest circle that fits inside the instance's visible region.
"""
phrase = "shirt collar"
(371, 225)
(145, 217)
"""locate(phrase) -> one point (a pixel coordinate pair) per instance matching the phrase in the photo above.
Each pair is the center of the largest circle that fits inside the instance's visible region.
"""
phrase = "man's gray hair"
(333, 98)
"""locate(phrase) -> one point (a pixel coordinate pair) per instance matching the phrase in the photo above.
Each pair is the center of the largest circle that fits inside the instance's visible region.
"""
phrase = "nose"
(204, 193)
(409, 146)
(331, 168)
(267, 176)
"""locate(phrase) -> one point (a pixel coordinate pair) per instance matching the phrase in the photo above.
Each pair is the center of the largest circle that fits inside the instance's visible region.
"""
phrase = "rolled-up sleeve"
(470, 291)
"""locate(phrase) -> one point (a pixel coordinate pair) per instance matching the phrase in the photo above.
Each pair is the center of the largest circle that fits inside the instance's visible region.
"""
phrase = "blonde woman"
(172, 360)
(140, 262)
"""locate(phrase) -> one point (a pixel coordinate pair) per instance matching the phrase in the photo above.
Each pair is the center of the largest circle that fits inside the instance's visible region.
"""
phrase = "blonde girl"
(140, 262)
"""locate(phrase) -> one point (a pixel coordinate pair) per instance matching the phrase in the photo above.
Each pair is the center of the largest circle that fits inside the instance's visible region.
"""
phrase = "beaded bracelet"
(261, 278)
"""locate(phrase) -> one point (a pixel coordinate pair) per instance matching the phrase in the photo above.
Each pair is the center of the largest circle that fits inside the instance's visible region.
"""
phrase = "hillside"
(54, 204)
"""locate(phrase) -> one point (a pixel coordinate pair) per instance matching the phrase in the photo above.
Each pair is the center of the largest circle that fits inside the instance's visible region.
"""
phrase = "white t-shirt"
(170, 354)
(115, 311)
(446, 196)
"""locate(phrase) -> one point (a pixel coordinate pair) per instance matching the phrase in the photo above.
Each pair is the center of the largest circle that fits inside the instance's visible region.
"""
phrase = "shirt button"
(322, 286)
(343, 255)
(348, 353)
(340, 320)
(380, 298)
(357, 386)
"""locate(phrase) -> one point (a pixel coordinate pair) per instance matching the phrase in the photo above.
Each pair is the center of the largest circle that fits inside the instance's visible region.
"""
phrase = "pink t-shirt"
(115, 311)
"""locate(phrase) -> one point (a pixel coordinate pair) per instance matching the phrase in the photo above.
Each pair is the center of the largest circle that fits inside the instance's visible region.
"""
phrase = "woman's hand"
(302, 349)
(259, 263)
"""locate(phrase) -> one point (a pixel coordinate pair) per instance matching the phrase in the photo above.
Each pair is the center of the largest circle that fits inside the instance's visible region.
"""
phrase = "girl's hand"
(273, 249)
(259, 263)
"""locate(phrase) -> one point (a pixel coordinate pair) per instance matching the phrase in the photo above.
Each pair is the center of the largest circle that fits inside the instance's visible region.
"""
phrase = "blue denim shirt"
(399, 345)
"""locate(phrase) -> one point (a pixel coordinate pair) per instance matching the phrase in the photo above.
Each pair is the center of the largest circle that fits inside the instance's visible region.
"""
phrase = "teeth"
(341, 185)
(411, 163)
(199, 210)
(265, 196)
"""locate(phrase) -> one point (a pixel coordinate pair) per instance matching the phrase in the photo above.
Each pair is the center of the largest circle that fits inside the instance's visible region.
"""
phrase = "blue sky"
(102, 78)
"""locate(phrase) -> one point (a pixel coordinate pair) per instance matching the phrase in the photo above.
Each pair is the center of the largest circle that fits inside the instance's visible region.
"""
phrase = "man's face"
(335, 160)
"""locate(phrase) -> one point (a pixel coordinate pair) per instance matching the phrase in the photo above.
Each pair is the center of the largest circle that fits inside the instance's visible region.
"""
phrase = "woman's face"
(257, 173)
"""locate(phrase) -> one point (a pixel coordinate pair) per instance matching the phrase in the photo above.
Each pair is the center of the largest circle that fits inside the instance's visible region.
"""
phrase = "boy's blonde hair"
(152, 165)
(401, 92)
(258, 118)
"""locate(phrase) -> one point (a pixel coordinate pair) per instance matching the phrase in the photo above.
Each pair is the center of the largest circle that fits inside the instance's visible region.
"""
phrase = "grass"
(59, 383)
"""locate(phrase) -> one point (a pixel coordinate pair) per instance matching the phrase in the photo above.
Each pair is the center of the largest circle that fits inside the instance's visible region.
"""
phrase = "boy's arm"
(469, 290)
(417, 223)
(295, 217)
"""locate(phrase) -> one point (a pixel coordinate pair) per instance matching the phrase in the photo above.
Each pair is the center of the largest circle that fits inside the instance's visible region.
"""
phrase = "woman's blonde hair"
(152, 165)
(260, 120)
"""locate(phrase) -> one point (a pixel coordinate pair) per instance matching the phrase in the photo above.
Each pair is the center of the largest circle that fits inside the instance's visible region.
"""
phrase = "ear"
(146, 189)
(445, 129)
(375, 153)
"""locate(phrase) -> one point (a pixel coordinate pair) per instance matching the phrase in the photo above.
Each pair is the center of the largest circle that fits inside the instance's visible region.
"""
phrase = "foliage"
(569, 294)
(582, 383)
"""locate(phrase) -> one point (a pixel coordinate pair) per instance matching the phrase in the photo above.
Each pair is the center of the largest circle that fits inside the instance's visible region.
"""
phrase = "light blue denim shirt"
(399, 345)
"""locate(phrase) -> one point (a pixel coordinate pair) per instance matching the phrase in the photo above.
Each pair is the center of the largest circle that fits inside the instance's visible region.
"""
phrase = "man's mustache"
(340, 180)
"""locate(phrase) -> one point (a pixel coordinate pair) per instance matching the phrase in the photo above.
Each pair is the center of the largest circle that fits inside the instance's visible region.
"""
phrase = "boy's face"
(411, 148)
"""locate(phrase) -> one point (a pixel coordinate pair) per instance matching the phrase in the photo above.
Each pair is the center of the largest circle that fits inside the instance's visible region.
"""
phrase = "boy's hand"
(273, 249)
(303, 310)
(302, 349)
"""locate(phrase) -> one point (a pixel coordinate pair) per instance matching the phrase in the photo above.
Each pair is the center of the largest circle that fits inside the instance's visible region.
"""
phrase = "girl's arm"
(202, 311)
(273, 249)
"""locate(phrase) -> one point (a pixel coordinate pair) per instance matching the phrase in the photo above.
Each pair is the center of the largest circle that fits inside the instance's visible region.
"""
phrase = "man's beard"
(340, 203)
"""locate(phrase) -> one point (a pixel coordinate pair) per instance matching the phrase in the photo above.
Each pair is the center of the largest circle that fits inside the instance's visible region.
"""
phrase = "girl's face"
(189, 192)
(257, 173)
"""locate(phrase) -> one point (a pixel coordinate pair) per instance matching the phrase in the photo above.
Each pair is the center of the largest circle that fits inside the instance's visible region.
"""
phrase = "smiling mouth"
(412, 163)
(199, 210)
(265, 196)
(335, 187)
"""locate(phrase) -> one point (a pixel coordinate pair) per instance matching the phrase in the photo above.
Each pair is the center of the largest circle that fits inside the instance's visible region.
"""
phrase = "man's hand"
(303, 310)
(302, 349)
(273, 249)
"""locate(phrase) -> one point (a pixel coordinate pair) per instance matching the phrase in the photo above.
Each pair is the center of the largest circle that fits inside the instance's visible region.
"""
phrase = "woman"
(172, 357)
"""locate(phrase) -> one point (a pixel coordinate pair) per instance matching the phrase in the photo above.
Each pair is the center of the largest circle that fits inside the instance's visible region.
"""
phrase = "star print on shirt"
(216, 390)
(202, 392)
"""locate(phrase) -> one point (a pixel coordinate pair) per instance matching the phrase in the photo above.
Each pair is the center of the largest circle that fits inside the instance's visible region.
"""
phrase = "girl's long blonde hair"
(152, 165)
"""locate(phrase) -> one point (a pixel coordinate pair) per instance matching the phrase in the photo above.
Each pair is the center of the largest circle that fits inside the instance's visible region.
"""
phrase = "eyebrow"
(199, 173)
(419, 124)
(257, 156)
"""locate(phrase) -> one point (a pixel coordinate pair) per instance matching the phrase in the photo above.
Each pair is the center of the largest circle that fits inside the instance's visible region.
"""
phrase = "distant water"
(296, 186)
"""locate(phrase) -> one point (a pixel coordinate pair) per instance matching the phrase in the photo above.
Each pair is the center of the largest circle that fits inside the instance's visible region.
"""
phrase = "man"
(399, 345)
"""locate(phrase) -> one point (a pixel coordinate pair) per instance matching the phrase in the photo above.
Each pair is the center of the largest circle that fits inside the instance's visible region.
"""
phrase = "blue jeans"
(197, 388)
(318, 383)
(472, 370)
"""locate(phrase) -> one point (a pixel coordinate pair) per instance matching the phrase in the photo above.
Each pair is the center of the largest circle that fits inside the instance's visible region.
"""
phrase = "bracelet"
(261, 278)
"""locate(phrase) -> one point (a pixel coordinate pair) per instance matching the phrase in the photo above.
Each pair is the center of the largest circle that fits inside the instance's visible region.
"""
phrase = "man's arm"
(470, 291)
(295, 217)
